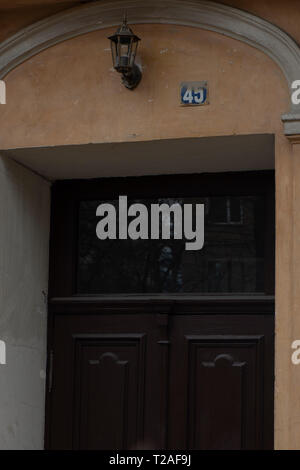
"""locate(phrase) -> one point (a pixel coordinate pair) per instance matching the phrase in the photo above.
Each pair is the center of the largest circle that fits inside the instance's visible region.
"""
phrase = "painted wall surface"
(24, 239)
(69, 94)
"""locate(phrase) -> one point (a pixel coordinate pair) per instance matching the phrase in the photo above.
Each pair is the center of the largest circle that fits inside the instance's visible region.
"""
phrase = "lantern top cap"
(124, 31)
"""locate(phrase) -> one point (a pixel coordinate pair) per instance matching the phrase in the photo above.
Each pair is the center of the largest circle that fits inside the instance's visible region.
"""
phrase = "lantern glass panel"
(134, 47)
(124, 54)
(113, 46)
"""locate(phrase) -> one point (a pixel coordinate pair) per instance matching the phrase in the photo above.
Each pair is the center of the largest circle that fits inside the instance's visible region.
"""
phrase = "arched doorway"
(285, 53)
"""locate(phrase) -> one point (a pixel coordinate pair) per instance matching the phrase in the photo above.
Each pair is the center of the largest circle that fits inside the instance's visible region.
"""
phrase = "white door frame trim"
(232, 22)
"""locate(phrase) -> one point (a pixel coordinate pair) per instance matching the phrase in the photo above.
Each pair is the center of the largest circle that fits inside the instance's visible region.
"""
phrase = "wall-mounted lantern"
(124, 44)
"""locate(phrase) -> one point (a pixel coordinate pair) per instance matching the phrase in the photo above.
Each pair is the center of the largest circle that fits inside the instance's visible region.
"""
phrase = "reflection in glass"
(231, 261)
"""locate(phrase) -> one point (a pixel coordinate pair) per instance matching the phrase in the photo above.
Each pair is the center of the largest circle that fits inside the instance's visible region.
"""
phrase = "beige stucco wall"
(24, 239)
(69, 94)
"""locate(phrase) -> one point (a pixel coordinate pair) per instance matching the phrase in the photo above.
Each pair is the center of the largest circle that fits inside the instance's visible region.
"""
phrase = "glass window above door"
(232, 260)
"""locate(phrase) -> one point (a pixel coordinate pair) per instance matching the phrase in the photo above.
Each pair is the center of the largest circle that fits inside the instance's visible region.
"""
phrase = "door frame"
(66, 196)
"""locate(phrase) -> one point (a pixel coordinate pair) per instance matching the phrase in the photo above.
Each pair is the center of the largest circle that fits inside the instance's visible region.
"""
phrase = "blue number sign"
(194, 93)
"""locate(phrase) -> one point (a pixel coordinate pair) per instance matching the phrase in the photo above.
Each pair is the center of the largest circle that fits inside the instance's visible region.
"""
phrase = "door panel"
(222, 371)
(222, 380)
(106, 382)
(109, 391)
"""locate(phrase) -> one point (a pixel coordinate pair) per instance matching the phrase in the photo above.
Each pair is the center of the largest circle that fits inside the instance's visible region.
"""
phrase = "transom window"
(236, 258)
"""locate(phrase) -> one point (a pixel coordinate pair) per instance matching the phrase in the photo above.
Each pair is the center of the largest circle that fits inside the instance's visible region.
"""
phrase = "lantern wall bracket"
(133, 78)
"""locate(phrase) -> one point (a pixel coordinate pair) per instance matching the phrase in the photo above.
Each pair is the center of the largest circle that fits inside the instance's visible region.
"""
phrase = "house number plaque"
(194, 93)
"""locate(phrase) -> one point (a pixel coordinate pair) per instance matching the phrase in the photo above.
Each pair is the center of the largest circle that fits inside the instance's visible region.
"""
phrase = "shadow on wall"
(169, 156)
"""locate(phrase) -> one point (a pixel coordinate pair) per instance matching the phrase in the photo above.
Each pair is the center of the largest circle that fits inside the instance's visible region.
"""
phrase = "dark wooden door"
(150, 345)
(162, 380)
